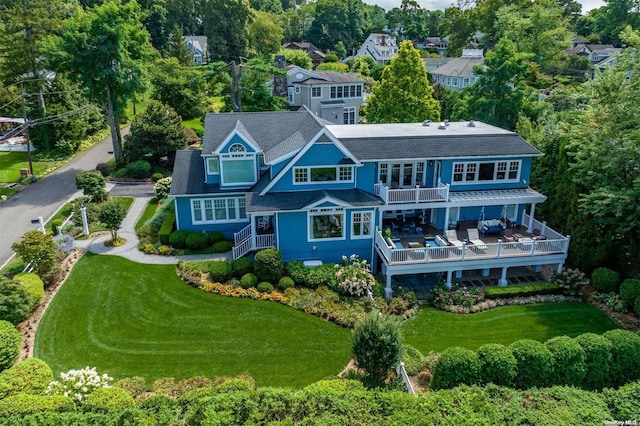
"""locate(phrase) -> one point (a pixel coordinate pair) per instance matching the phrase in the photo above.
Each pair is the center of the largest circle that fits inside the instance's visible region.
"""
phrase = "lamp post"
(85, 224)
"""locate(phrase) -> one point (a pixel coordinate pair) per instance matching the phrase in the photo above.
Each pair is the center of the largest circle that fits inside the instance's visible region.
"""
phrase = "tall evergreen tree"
(404, 95)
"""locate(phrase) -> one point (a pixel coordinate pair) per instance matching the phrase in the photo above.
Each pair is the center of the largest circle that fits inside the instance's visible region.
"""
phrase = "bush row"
(521, 290)
(589, 361)
(236, 401)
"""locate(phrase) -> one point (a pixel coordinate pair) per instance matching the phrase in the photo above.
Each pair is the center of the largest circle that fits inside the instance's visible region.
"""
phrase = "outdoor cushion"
(440, 241)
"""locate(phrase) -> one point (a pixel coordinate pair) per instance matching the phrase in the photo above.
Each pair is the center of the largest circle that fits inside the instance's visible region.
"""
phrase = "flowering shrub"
(490, 304)
(571, 281)
(77, 384)
(354, 276)
(65, 243)
(463, 297)
(611, 301)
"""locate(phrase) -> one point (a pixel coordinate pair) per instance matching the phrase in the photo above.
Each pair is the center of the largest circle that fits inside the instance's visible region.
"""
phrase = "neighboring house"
(317, 56)
(432, 43)
(318, 191)
(434, 63)
(333, 96)
(458, 73)
(601, 56)
(380, 47)
(198, 46)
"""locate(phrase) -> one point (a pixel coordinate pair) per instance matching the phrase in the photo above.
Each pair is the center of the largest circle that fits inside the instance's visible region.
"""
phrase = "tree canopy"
(404, 95)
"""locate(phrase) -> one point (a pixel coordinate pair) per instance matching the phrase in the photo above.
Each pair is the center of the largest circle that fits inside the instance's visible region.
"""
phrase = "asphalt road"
(45, 197)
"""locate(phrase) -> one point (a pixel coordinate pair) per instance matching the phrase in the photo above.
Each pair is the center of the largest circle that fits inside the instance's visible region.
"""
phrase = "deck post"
(254, 243)
(503, 278)
(387, 290)
(559, 268)
(485, 272)
(448, 283)
(446, 218)
(533, 211)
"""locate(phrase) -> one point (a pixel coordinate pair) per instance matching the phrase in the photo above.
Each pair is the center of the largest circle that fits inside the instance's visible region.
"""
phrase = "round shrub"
(455, 367)
(221, 247)
(629, 291)
(285, 283)
(534, 364)
(597, 360)
(268, 265)
(215, 236)
(220, 271)
(265, 287)
(155, 403)
(138, 169)
(10, 340)
(102, 400)
(33, 286)
(24, 404)
(196, 241)
(55, 225)
(413, 359)
(241, 266)
(569, 366)
(15, 304)
(298, 272)
(624, 403)
(497, 364)
(248, 280)
(376, 345)
(29, 376)
(322, 276)
(625, 352)
(156, 177)
(104, 169)
(605, 280)
(135, 386)
(177, 239)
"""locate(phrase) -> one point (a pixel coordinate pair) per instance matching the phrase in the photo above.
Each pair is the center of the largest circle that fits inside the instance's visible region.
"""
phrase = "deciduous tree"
(39, 250)
(111, 214)
(376, 345)
(404, 95)
(178, 86)
(226, 25)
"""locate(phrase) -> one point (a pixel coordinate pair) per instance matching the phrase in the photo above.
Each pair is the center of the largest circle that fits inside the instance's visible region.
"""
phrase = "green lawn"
(434, 330)
(12, 162)
(148, 213)
(130, 319)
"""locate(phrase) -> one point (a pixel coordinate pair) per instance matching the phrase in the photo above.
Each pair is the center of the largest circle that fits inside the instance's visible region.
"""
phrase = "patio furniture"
(536, 235)
(452, 237)
(264, 222)
(474, 238)
(491, 226)
(509, 237)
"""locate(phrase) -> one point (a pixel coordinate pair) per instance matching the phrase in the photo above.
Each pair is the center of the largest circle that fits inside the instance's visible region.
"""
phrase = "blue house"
(453, 195)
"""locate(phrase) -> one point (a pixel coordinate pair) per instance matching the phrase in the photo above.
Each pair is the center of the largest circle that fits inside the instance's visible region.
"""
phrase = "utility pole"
(236, 89)
(26, 128)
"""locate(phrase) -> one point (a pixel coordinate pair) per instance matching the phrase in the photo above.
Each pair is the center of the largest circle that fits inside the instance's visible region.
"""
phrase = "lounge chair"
(474, 238)
(536, 235)
(509, 237)
(452, 237)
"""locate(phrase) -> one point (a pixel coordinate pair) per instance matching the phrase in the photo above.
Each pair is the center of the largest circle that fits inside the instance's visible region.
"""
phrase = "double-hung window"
(218, 210)
(361, 224)
(487, 171)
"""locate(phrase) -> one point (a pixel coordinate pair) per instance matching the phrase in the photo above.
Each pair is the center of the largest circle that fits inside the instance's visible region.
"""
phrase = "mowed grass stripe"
(434, 330)
(130, 319)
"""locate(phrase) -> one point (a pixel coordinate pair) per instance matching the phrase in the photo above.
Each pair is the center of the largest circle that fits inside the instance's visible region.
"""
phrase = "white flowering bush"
(77, 384)
(354, 276)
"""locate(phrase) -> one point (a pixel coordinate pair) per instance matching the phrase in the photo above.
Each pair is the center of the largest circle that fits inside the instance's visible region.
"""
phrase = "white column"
(253, 232)
(559, 268)
(533, 211)
(448, 283)
(485, 272)
(387, 290)
(503, 278)
(446, 219)
(85, 223)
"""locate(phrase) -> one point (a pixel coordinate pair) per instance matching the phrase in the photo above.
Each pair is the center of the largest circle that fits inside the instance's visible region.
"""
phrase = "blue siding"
(211, 178)
(474, 213)
(366, 177)
(183, 220)
(447, 175)
(292, 234)
(237, 139)
(320, 154)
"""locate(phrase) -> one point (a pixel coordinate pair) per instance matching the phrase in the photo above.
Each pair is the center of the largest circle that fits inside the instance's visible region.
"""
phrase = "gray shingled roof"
(444, 146)
(188, 175)
(279, 201)
(458, 67)
(276, 133)
(329, 77)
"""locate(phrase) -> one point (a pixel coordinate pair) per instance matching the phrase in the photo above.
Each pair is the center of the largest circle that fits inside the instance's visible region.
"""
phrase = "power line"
(10, 102)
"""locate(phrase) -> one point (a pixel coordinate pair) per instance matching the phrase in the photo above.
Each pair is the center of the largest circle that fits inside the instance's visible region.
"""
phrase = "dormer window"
(238, 167)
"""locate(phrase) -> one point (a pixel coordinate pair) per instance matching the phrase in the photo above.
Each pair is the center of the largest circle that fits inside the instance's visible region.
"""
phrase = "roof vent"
(446, 122)
(442, 125)
(471, 124)
(426, 123)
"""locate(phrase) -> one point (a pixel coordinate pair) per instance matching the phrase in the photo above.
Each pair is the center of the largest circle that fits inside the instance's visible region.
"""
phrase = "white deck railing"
(241, 236)
(244, 242)
(542, 226)
(412, 195)
(499, 250)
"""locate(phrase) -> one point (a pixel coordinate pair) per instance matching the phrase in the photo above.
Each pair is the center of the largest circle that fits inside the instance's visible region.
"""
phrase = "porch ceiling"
(496, 197)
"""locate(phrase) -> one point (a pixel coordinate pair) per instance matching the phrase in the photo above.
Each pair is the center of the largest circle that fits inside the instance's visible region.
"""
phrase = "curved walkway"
(130, 250)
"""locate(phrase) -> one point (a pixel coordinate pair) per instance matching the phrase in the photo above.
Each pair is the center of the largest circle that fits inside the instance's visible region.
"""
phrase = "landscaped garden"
(435, 330)
(129, 319)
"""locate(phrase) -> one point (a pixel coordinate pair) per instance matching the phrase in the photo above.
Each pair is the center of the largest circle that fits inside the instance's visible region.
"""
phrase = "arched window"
(237, 147)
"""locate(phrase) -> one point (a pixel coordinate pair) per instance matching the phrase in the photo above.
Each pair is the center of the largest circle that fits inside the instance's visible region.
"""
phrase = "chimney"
(280, 81)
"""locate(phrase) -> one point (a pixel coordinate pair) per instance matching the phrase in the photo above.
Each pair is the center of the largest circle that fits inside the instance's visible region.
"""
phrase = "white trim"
(206, 162)
(213, 220)
(250, 156)
(337, 203)
(326, 211)
(233, 133)
(476, 180)
(371, 225)
(316, 87)
(312, 182)
(175, 208)
(307, 147)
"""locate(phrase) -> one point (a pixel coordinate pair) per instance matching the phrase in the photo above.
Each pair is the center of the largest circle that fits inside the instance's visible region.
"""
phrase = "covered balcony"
(259, 234)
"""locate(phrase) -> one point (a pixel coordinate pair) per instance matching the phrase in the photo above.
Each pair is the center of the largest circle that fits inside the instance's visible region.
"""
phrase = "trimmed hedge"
(264, 287)
(597, 360)
(455, 366)
(168, 224)
(569, 361)
(625, 402)
(248, 280)
(221, 247)
(220, 271)
(322, 276)
(285, 283)
(34, 287)
(625, 350)
(298, 272)
(102, 400)
(178, 239)
(268, 265)
(23, 404)
(241, 266)
(630, 291)
(10, 340)
(534, 364)
(605, 280)
(32, 375)
(196, 241)
(497, 364)
(215, 236)
(521, 290)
